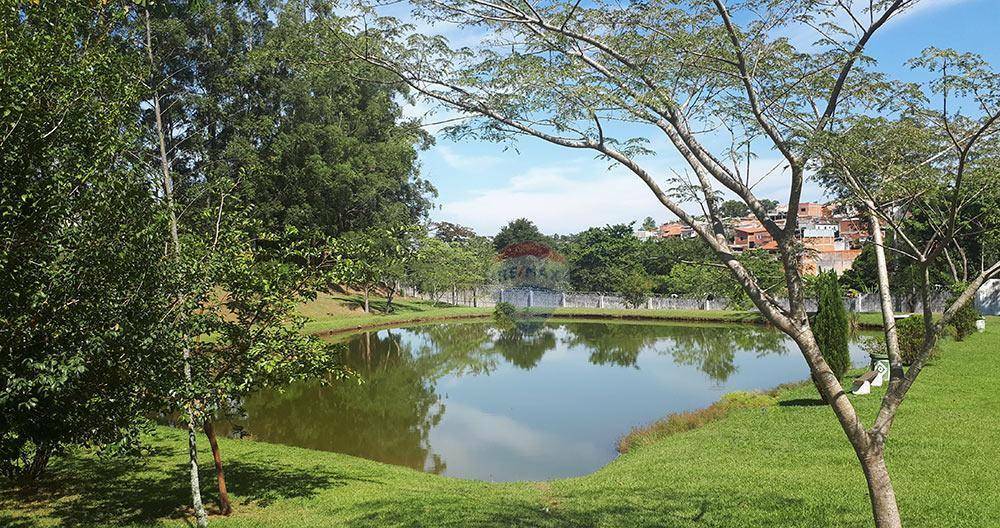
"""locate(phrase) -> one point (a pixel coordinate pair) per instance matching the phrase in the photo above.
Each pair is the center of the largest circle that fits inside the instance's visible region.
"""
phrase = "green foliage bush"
(635, 289)
(963, 323)
(504, 312)
(911, 338)
(831, 326)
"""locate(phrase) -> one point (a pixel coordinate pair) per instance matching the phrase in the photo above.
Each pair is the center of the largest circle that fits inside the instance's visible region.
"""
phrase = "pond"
(541, 400)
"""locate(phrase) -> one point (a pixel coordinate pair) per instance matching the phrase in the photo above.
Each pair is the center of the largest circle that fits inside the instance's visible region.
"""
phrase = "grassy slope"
(343, 313)
(338, 313)
(787, 465)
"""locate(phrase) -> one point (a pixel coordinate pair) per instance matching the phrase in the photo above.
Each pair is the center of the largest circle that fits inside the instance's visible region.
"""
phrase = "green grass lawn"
(344, 313)
(331, 313)
(784, 465)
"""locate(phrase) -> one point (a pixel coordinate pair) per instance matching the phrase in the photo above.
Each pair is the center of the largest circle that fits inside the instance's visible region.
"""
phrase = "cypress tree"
(831, 325)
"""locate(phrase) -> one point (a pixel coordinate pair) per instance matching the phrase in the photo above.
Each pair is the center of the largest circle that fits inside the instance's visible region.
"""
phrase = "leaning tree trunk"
(225, 506)
(885, 298)
(867, 447)
(390, 293)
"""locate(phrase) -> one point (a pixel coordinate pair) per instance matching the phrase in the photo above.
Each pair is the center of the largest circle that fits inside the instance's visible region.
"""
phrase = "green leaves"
(81, 239)
(831, 325)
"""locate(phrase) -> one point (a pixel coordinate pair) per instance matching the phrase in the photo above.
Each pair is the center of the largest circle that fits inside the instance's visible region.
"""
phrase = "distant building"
(813, 210)
(854, 231)
(832, 239)
(643, 234)
(838, 261)
(753, 237)
(676, 230)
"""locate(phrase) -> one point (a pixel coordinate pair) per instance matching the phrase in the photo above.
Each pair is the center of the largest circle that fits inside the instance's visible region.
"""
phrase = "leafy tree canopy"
(516, 232)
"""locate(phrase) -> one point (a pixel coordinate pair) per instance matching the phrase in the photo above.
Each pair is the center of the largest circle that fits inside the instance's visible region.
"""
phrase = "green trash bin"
(880, 364)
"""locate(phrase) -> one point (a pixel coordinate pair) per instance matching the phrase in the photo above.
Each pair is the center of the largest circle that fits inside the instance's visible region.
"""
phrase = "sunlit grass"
(783, 464)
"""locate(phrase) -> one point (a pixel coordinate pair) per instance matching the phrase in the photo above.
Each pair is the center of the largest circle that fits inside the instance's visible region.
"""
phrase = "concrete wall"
(988, 297)
(988, 300)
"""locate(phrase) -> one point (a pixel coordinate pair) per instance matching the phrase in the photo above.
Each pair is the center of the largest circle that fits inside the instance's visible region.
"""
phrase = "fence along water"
(988, 300)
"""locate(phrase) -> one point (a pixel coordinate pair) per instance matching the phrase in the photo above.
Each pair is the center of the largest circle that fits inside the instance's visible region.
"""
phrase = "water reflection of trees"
(389, 416)
(711, 349)
(611, 343)
(524, 343)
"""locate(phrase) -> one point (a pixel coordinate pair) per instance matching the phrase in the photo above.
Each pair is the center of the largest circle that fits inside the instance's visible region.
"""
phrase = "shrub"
(873, 345)
(963, 323)
(504, 312)
(635, 289)
(911, 338)
(831, 326)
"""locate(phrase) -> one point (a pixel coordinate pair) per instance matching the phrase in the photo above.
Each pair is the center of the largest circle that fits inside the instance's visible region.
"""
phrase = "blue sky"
(564, 191)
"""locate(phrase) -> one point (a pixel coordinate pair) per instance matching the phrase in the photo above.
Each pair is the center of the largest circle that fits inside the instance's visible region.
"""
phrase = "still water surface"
(542, 400)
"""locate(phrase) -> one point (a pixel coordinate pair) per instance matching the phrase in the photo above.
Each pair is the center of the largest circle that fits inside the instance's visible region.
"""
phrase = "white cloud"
(559, 198)
(577, 194)
(930, 5)
(457, 160)
(483, 443)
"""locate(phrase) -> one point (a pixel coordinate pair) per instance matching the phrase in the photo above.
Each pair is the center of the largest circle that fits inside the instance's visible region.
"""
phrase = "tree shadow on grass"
(375, 305)
(634, 509)
(802, 402)
(262, 485)
(86, 491)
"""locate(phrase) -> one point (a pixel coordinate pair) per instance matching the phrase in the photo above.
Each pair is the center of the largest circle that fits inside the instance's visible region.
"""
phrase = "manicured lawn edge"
(346, 325)
(378, 322)
(777, 465)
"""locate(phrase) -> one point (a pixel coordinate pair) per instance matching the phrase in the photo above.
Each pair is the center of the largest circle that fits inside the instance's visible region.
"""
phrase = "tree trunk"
(367, 310)
(168, 194)
(225, 507)
(883, 498)
(868, 448)
(390, 293)
(199, 508)
(32, 469)
(885, 298)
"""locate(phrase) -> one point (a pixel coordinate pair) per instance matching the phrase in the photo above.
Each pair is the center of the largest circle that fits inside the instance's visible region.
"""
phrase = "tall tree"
(233, 275)
(561, 71)
(376, 258)
(831, 326)
(605, 259)
(733, 209)
(516, 232)
(926, 177)
(80, 238)
(320, 142)
(451, 232)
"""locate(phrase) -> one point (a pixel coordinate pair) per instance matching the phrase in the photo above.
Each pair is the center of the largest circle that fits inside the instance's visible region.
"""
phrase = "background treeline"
(176, 177)
(609, 259)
